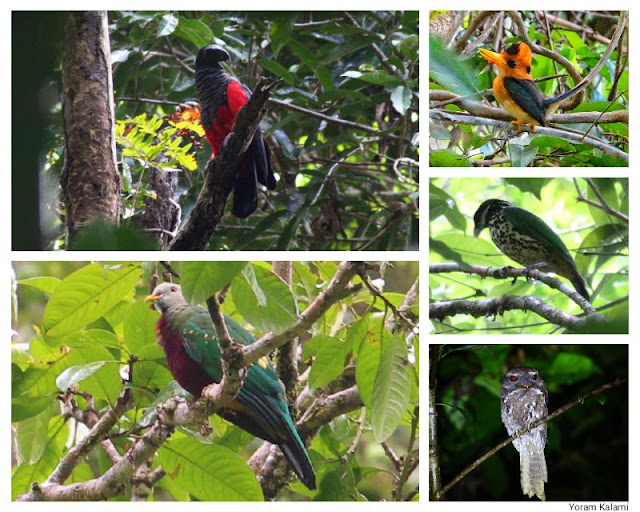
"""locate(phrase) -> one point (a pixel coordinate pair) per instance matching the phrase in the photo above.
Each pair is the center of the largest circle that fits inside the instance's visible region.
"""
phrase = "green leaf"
(47, 284)
(75, 374)
(278, 70)
(202, 279)
(138, 327)
(26, 474)
(410, 47)
(369, 359)
(478, 252)
(194, 31)
(522, 156)
(209, 472)
(329, 363)
(447, 69)
(532, 185)
(568, 368)
(32, 436)
(168, 24)
(264, 300)
(392, 389)
(448, 158)
(86, 295)
(401, 98)
(376, 77)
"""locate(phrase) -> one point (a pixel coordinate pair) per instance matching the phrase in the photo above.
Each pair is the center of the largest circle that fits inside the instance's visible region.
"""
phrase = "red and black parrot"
(187, 335)
(221, 96)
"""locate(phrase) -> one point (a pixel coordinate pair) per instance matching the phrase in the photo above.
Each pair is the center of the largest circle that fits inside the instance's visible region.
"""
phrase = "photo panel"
(215, 381)
(577, 394)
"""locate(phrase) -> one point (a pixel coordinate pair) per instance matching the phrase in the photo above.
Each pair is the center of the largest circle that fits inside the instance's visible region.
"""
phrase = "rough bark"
(90, 180)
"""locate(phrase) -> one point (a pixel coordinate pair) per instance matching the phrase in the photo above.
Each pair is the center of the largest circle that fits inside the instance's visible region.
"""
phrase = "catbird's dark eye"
(534, 376)
(512, 63)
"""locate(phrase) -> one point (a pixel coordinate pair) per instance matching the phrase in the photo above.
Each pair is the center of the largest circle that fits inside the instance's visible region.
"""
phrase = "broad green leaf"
(202, 279)
(448, 158)
(532, 185)
(75, 374)
(278, 70)
(477, 252)
(447, 69)
(209, 472)
(401, 98)
(194, 31)
(392, 389)
(375, 77)
(568, 368)
(522, 156)
(329, 363)
(368, 359)
(32, 436)
(264, 300)
(168, 24)
(47, 284)
(86, 295)
(90, 338)
(26, 474)
(139, 324)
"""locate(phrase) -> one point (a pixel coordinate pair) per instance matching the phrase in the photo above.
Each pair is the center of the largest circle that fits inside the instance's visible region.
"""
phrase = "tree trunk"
(90, 180)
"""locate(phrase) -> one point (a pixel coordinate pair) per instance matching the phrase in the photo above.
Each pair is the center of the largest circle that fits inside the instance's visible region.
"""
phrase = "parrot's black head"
(485, 212)
(211, 56)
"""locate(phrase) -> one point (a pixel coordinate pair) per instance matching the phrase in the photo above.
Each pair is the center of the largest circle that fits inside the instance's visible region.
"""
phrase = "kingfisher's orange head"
(514, 61)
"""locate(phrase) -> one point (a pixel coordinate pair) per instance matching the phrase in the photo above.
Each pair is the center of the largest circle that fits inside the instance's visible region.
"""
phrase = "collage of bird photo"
(215, 290)
(218, 259)
(530, 253)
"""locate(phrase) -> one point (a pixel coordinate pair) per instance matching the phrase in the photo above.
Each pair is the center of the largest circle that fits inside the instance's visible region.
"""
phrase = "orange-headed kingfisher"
(516, 91)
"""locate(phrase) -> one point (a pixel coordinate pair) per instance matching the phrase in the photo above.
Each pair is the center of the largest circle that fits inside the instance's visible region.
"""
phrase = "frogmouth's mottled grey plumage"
(525, 400)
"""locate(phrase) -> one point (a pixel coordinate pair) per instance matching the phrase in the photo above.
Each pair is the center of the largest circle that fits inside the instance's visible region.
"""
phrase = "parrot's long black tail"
(245, 192)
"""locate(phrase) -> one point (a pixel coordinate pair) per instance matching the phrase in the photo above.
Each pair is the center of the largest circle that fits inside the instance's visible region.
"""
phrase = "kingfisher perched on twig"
(516, 91)
(528, 240)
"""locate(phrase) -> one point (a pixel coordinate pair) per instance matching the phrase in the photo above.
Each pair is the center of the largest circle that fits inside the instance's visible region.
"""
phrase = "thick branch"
(221, 175)
(96, 434)
(112, 482)
(337, 289)
(498, 305)
(480, 109)
(233, 365)
(512, 273)
(576, 138)
(521, 432)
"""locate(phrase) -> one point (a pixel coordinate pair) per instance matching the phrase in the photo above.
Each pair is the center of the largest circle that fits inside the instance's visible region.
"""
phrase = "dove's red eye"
(513, 378)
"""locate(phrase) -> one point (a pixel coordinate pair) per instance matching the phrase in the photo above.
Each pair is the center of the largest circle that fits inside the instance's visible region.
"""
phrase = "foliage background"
(597, 241)
(588, 446)
(463, 71)
(340, 187)
(49, 339)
